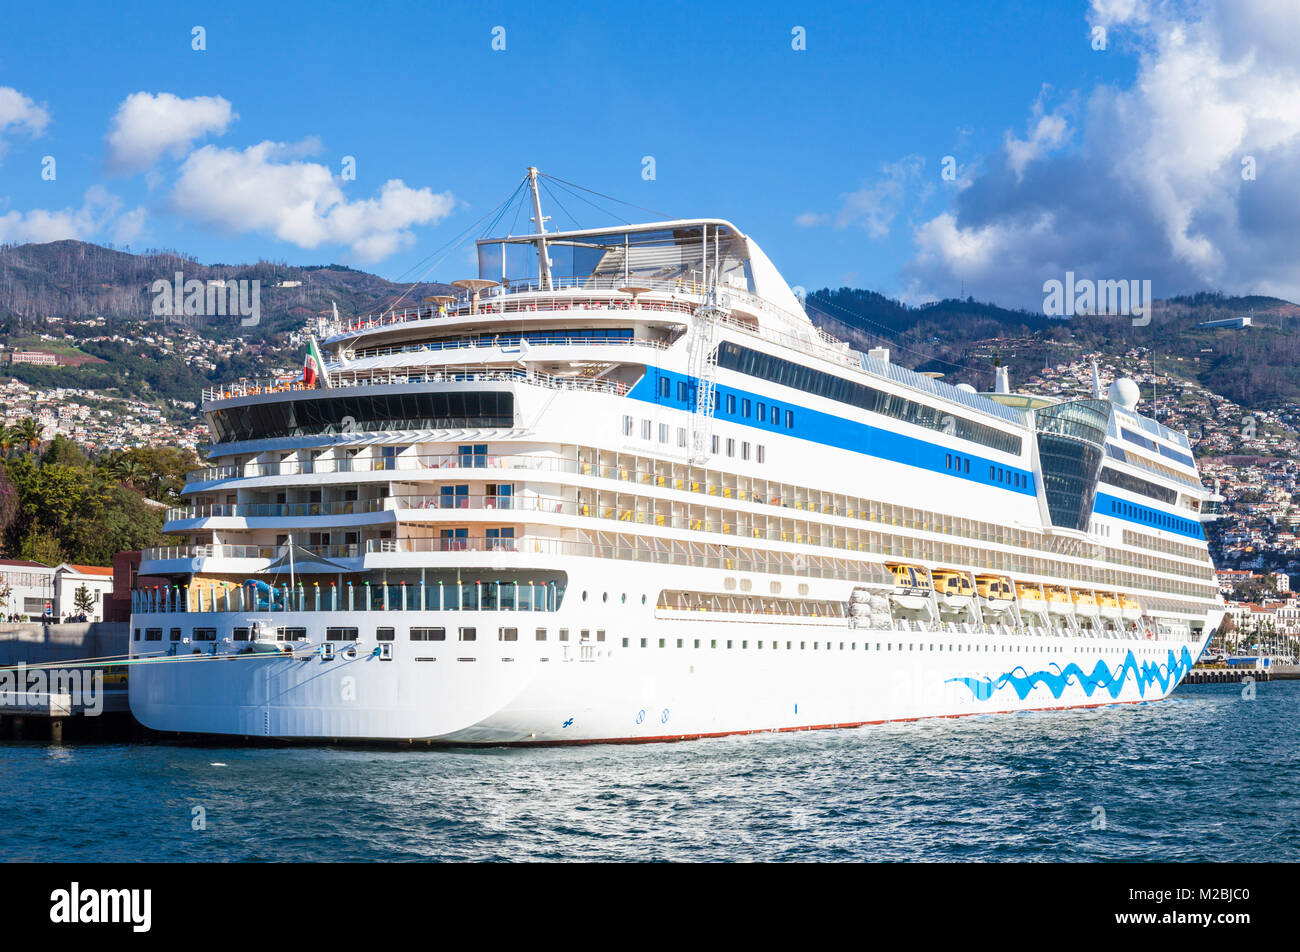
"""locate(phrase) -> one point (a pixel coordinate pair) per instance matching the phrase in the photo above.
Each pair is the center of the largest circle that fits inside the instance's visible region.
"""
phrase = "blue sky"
(830, 157)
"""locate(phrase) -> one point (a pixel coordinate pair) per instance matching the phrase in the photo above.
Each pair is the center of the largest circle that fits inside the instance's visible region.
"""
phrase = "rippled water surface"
(1205, 775)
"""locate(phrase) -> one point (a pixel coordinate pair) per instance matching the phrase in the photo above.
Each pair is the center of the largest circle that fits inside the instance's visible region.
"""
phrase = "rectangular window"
(731, 403)
(428, 634)
(200, 634)
(291, 634)
(175, 634)
(469, 634)
(155, 634)
(744, 408)
(663, 432)
(385, 634)
(744, 449)
(681, 391)
(789, 419)
(627, 426)
(731, 447)
(762, 454)
(645, 429)
(681, 436)
(541, 635)
(340, 634)
(240, 634)
(507, 634)
(664, 384)
(137, 634)
(761, 415)
(776, 415)
(600, 634)
(715, 443)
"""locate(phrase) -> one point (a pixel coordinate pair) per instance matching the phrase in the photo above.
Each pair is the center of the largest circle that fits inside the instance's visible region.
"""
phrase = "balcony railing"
(349, 597)
(223, 551)
(345, 507)
(392, 464)
(391, 376)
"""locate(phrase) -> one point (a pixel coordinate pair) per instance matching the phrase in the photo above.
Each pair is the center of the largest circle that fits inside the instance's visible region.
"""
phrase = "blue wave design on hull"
(1057, 680)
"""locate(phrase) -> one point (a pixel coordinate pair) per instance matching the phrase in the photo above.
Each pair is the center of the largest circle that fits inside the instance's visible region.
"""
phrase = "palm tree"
(7, 439)
(29, 432)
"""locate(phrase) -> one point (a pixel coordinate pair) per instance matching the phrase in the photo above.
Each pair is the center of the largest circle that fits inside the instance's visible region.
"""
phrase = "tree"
(8, 438)
(29, 432)
(83, 600)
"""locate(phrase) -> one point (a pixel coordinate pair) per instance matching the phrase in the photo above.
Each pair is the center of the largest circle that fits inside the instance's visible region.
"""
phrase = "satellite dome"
(1124, 392)
(966, 387)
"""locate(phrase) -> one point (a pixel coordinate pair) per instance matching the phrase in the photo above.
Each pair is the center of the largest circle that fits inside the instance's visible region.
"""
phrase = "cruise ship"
(620, 488)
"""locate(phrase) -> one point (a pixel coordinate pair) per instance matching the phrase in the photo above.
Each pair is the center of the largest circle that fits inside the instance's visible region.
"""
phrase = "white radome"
(1125, 392)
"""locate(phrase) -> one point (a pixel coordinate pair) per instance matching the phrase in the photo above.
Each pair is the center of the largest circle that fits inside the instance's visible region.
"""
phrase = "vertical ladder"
(703, 366)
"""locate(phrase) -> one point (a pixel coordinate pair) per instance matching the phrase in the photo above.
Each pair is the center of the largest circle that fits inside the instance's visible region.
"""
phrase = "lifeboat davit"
(995, 592)
(953, 589)
(1059, 602)
(1085, 602)
(912, 587)
(1108, 605)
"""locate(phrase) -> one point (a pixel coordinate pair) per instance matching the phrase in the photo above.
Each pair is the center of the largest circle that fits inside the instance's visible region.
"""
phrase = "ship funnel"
(1002, 384)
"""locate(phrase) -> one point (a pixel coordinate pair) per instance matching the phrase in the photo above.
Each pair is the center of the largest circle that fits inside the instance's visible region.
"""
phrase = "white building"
(29, 586)
(68, 578)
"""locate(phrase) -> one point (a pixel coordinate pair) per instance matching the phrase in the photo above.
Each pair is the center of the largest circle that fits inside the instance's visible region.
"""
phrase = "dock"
(60, 697)
(1222, 674)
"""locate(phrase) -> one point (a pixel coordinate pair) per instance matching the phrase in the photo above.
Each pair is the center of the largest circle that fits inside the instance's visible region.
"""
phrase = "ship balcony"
(344, 381)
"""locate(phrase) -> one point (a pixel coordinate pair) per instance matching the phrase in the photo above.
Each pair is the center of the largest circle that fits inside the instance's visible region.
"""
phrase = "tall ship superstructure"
(621, 488)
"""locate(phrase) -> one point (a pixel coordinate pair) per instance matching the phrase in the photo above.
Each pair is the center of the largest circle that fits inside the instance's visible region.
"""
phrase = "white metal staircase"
(703, 364)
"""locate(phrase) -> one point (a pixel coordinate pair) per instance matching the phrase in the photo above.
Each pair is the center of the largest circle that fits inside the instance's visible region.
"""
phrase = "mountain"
(75, 279)
(1257, 365)
(88, 303)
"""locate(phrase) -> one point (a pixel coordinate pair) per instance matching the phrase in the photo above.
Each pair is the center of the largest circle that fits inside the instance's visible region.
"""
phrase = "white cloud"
(261, 189)
(41, 225)
(148, 126)
(875, 206)
(1050, 131)
(1153, 188)
(19, 112)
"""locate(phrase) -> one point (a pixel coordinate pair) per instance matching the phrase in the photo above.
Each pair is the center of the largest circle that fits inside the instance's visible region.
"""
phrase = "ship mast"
(543, 259)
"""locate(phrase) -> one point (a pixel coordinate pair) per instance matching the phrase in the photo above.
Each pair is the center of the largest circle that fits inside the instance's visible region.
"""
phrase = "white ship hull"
(525, 692)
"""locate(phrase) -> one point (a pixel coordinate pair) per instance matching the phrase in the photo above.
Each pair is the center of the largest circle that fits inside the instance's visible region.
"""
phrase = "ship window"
(155, 634)
(238, 634)
(627, 426)
(715, 443)
(681, 390)
(664, 384)
(762, 454)
(385, 634)
(600, 635)
(681, 436)
(761, 413)
(541, 636)
(645, 429)
(564, 635)
(340, 634)
(200, 634)
(428, 634)
(624, 642)
(789, 419)
(175, 634)
(744, 450)
(137, 634)
(731, 447)
(507, 634)
(663, 432)
(731, 403)
(744, 408)
(291, 634)
(775, 418)
(469, 634)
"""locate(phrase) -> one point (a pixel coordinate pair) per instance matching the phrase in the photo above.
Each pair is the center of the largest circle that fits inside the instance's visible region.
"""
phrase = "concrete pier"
(53, 713)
